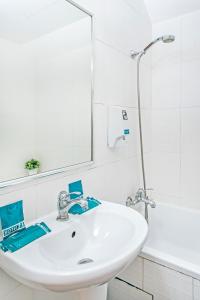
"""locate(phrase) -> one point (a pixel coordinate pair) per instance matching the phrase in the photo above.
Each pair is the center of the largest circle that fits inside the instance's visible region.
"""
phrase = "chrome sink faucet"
(65, 203)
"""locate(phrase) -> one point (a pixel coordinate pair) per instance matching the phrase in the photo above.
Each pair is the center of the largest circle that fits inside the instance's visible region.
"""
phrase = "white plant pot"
(33, 172)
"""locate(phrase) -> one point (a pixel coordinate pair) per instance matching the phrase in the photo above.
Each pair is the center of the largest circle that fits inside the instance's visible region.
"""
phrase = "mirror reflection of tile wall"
(45, 79)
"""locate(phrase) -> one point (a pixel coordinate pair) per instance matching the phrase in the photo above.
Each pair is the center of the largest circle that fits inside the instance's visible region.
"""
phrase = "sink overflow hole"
(85, 261)
(73, 234)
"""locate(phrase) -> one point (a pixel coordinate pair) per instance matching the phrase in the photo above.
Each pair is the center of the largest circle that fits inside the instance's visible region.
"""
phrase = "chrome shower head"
(163, 38)
(168, 38)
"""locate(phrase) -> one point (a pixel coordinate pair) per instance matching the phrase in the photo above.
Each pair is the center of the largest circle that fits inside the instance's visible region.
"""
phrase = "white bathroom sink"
(105, 239)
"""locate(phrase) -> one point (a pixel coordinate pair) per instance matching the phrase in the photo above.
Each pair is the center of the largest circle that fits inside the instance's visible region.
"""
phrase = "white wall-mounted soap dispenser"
(118, 126)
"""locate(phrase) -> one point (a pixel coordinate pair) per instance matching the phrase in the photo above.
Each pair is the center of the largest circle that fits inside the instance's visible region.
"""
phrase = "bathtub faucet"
(141, 197)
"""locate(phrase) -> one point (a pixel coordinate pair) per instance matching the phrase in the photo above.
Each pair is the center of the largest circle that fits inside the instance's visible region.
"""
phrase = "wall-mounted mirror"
(45, 86)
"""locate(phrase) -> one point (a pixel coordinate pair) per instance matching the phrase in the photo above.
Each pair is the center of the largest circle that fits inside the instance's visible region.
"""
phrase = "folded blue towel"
(24, 237)
(78, 210)
(11, 218)
(75, 187)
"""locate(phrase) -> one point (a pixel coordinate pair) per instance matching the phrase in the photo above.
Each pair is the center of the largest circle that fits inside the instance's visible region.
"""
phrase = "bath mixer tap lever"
(141, 196)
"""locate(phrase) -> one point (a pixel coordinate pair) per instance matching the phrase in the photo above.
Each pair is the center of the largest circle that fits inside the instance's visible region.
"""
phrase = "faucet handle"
(140, 193)
(62, 196)
(78, 194)
(129, 201)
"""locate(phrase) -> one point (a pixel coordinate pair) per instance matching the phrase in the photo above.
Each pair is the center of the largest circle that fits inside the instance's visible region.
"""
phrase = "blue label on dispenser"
(126, 131)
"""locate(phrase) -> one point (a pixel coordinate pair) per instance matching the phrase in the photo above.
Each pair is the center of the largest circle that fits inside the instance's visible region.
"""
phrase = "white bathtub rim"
(183, 208)
(172, 262)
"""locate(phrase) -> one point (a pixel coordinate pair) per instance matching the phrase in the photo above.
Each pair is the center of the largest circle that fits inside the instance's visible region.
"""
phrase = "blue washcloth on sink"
(78, 210)
(24, 237)
(11, 218)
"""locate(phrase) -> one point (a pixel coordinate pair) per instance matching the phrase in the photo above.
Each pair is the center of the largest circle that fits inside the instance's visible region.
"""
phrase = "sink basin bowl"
(88, 250)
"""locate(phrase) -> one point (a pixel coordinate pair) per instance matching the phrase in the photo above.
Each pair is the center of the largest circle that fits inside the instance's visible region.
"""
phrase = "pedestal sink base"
(94, 293)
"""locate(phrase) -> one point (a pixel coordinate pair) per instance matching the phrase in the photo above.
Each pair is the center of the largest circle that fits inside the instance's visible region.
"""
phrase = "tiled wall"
(175, 165)
(155, 280)
(120, 25)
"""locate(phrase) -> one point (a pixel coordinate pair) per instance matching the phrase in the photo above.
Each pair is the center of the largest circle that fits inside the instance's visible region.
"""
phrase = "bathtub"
(174, 239)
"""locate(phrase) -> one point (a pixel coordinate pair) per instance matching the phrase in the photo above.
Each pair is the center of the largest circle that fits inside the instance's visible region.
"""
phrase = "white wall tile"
(190, 41)
(20, 293)
(190, 138)
(115, 77)
(46, 295)
(47, 194)
(148, 161)
(146, 129)
(166, 173)
(7, 284)
(146, 85)
(166, 284)
(196, 289)
(94, 182)
(134, 273)
(166, 130)
(146, 116)
(166, 83)
(190, 87)
(121, 172)
(118, 290)
(190, 174)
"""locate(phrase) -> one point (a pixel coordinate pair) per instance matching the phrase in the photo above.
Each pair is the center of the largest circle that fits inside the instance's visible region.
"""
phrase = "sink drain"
(85, 261)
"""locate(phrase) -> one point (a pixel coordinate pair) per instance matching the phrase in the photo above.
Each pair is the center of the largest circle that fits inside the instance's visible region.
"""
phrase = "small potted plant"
(32, 166)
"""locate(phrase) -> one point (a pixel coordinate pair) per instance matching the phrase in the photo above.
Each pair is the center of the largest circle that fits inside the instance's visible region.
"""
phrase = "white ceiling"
(24, 20)
(160, 10)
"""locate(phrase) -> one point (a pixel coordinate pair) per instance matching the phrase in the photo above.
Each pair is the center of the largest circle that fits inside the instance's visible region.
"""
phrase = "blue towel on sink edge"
(24, 237)
(78, 210)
